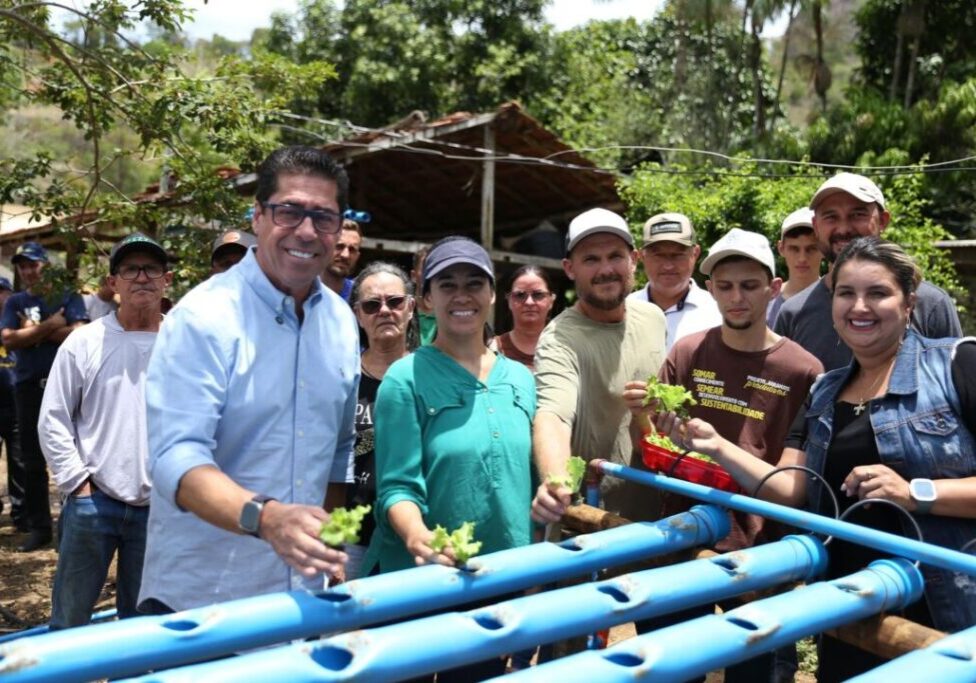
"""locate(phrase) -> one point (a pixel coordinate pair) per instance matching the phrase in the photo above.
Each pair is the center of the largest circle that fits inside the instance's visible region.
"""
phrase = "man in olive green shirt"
(584, 358)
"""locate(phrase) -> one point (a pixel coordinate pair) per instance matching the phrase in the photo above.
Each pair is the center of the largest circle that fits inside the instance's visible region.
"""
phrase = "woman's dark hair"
(530, 269)
(375, 268)
(886, 254)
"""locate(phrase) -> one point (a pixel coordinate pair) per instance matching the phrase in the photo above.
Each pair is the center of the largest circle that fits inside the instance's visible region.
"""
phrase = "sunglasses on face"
(373, 306)
(537, 296)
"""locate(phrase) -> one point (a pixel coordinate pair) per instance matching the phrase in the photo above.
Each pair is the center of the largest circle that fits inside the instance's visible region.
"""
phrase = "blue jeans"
(93, 529)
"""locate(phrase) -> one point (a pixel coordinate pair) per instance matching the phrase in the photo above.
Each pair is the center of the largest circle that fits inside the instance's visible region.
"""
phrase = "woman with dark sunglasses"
(382, 298)
(530, 299)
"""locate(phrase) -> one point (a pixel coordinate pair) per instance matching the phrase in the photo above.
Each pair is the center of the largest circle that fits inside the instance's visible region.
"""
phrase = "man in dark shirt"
(845, 207)
(34, 328)
(8, 425)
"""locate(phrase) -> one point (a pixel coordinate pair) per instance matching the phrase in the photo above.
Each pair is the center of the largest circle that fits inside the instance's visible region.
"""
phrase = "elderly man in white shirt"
(669, 253)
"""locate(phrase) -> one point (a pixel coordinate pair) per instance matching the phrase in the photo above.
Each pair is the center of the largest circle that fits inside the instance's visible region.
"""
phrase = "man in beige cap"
(798, 246)
(848, 206)
(584, 358)
(669, 253)
(229, 249)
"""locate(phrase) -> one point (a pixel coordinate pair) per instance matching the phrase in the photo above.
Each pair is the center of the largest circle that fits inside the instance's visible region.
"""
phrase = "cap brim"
(616, 232)
(683, 241)
(455, 260)
(25, 257)
(708, 263)
(831, 191)
(144, 247)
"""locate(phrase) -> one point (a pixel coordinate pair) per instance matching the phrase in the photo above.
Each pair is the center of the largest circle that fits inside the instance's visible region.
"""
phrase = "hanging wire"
(406, 141)
(816, 475)
(884, 501)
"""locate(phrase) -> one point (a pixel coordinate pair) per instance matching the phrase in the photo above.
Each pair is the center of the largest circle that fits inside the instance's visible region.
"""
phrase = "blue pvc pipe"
(949, 660)
(97, 618)
(132, 646)
(695, 647)
(934, 555)
(424, 646)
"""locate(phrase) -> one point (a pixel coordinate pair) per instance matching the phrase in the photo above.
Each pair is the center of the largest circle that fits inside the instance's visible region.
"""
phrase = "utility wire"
(407, 142)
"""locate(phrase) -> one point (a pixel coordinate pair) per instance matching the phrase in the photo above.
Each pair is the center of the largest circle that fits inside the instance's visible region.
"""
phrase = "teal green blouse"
(459, 448)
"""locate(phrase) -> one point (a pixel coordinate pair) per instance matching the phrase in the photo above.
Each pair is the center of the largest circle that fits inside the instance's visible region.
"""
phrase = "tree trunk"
(896, 67)
(818, 29)
(782, 64)
(910, 81)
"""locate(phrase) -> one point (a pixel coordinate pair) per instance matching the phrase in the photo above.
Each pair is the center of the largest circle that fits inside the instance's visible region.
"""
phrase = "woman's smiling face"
(870, 310)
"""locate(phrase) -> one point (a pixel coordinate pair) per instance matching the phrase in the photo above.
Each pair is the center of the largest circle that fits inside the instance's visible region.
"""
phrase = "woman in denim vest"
(897, 424)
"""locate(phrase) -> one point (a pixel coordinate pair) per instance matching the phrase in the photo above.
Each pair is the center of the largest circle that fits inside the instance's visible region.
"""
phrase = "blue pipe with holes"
(949, 660)
(132, 646)
(445, 641)
(96, 618)
(695, 647)
(928, 553)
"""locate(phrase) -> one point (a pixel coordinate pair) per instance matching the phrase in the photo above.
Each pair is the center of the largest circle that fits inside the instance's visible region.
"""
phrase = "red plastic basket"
(688, 468)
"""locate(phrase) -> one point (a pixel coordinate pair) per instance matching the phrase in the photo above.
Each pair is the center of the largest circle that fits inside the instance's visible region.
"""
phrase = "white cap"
(738, 242)
(597, 220)
(801, 218)
(853, 184)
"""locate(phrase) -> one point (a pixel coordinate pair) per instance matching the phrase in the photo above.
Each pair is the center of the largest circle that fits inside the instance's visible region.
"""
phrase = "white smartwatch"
(923, 493)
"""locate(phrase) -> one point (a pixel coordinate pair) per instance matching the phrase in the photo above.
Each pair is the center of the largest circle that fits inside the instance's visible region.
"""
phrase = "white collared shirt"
(697, 311)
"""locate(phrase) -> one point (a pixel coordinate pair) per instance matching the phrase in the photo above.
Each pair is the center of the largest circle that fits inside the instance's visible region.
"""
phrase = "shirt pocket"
(942, 442)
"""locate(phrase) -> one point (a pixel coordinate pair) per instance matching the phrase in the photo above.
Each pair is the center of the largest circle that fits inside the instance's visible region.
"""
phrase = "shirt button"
(299, 483)
(301, 383)
(496, 434)
(491, 410)
(431, 411)
(301, 433)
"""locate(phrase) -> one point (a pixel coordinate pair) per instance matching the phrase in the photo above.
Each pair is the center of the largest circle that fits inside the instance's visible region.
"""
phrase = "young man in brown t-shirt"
(748, 381)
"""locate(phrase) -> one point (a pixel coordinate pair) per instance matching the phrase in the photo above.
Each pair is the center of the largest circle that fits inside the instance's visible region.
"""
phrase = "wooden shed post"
(488, 190)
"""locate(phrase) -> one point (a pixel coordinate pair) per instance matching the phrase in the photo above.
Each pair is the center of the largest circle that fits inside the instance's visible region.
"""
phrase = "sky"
(236, 20)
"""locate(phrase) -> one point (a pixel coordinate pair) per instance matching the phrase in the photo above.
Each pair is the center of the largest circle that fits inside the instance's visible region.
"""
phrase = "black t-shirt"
(363, 489)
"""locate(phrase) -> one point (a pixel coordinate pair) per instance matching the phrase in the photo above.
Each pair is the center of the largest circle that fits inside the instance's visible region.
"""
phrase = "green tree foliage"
(719, 199)
(393, 57)
(664, 82)
(187, 126)
(929, 40)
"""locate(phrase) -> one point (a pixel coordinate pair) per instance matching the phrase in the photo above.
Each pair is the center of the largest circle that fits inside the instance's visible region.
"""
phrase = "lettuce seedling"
(343, 526)
(662, 441)
(575, 469)
(669, 397)
(461, 541)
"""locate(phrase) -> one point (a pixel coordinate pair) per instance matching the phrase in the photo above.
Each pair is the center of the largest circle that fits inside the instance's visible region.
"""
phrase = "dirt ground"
(26, 578)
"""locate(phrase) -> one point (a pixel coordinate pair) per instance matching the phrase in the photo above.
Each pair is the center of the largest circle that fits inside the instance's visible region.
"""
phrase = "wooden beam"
(488, 190)
(498, 256)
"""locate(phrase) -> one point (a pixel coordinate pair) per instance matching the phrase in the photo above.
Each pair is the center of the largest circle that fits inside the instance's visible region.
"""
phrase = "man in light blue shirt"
(251, 398)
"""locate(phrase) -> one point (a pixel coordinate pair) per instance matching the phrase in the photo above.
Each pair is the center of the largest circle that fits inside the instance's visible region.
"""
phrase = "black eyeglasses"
(373, 306)
(290, 216)
(153, 271)
(538, 296)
